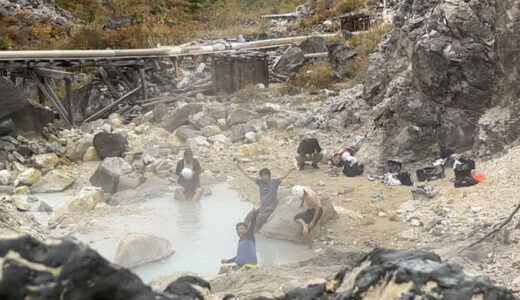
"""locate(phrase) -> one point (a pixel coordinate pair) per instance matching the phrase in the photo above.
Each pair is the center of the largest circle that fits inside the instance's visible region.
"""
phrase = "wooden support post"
(13, 78)
(70, 100)
(109, 84)
(177, 70)
(143, 82)
(125, 79)
(195, 62)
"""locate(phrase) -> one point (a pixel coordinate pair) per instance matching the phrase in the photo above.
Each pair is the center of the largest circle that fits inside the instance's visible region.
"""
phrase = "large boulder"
(187, 132)
(137, 249)
(85, 200)
(130, 181)
(77, 149)
(29, 176)
(281, 224)
(240, 116)
(12, 100)
(400, 274)
(65, 269)
(201, 120)
(126, 197)
(180, 116)
(155, 187)
(239, 131)
(45, 161)
(6, 126)
(314, 44)
(108, 172)
(290, 61)
(53, 182)
(109, 144)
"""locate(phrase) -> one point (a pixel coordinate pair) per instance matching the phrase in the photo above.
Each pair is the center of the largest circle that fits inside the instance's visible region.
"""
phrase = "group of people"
(188, 169)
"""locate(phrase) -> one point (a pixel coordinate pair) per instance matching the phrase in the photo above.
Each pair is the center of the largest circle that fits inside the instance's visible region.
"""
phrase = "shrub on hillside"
(314, 77)
(346, 6)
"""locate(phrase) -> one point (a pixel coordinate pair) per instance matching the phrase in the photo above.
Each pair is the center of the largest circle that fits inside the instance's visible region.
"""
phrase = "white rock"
(476, 209)
(137, 249)
(5, 177)
(250, 137)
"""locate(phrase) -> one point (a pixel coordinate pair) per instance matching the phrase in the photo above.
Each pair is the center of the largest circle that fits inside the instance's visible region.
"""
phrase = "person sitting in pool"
(246, 251)
(309, 218)
(188, 170)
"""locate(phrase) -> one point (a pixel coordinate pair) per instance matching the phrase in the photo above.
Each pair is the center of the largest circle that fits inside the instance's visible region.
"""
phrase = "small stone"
(48, 161)
(19, 157)
(416, 223)
(21, 190)
(5, 177)
(321, 183)
(476, 209)
(200, 97)
(250, 137)
(30, 176)
(381, 214)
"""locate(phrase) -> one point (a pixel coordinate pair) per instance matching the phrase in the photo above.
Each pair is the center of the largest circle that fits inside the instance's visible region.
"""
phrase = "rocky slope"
(446, 76)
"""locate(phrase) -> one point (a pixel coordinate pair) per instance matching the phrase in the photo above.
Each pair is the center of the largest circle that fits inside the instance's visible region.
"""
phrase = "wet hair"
(241, 224)
(188, 153)
(265, 171)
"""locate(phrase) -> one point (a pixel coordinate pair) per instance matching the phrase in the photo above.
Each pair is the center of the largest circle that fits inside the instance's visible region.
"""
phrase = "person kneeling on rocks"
(309, 218)
(309, 150)
(268, 193)
(188, 170)
(246, 252)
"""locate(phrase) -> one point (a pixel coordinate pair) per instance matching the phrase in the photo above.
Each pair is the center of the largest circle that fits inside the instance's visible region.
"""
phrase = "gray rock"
(109, 144)
(220, 138)
(201, 119)
(239, 131)
(155, 187)
(314, 44)
(6, 189)
(7, 126)
(12, 99)
(6, 146)
(180, 116)
(108, 172)
(198, 141)
(126, 197)
(118, 22)
(58, 149)
(53, 182)
(76, 149)
(5, 177)
(130, 181)
(240, 116)
(44, 207)
(290, 62)
(137, 249)
(186, 132)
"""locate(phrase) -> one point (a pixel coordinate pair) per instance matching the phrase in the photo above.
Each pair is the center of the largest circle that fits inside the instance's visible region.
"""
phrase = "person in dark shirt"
(246, 251)
(268, 188)
(309, 150)
(188, 170)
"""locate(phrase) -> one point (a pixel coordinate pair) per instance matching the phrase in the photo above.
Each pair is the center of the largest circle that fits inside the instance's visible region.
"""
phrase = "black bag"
(464, 169)
(353, 171)
(430, 173)
(405, 178)
(445, 153)
(393, 167)
(465, 182)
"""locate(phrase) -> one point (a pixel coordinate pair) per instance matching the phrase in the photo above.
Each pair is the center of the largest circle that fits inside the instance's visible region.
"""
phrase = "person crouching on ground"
(268, 193)
(309, 150)
(246, 252)
(188, 170)
(309, 218)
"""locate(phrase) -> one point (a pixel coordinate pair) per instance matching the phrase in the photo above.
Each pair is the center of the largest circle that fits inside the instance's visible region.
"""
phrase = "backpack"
(464, 169)
(465, 182)
(430, 173)
(393, 166)
(352, 171)
(405, 178)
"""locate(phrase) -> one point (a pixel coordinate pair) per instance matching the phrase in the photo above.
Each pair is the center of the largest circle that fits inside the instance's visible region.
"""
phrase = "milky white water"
(201, 233)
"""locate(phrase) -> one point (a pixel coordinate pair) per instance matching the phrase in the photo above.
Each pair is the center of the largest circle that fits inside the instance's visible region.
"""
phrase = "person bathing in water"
(309, 218)
(268, 193)
(246, 252)
(188, 170)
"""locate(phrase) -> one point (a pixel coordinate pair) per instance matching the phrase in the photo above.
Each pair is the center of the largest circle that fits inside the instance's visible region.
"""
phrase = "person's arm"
(317, 147)
(287, 174)
(316, 212)
(178, 170)
(196, 167)
(250, 233)
(228, 261)
(301, 149)
(245, 174)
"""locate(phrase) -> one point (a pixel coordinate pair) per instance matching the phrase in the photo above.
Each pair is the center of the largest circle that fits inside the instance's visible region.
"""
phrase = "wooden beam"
(47, 91)
(54, 74)
(111, 106)
(109, 84)
(125, 79)
(143, 83)
(70, 100)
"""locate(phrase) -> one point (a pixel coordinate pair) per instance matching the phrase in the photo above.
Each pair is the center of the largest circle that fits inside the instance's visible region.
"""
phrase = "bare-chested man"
(309, 218)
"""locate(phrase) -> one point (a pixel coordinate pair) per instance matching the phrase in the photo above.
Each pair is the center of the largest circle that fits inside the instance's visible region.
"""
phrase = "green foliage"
(314, 76)
(346, 6)
(5, 44)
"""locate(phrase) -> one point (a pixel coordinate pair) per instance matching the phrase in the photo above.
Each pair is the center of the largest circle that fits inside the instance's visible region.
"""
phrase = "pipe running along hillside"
(159, 51)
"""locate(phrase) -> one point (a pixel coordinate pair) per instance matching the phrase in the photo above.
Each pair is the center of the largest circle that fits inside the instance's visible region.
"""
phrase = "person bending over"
(309, 218)
(268, 188)
(246, 252)
(188, 170)
(309, 150)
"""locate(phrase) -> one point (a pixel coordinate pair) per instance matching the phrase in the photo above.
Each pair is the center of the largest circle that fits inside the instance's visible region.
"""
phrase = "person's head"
(298, 192)
(241, 229)
(336, 159)
(188, 155)
(265, 175)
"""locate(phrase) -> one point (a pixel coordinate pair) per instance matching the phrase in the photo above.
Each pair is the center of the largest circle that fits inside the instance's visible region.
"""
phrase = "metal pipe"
(160, 51)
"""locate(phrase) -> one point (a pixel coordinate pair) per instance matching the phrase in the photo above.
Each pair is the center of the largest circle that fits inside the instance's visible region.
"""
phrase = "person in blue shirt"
(246, 252)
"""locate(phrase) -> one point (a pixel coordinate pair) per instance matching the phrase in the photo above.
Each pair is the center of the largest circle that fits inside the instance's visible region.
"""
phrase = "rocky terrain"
(444, 77)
